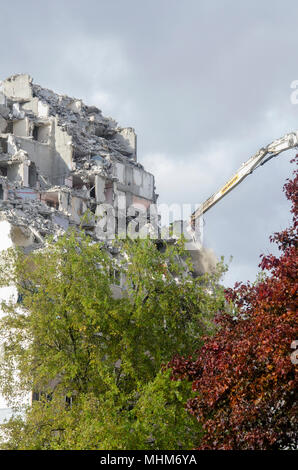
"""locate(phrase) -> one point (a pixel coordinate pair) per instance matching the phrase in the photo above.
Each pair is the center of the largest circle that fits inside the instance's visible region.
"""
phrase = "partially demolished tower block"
(59, 158)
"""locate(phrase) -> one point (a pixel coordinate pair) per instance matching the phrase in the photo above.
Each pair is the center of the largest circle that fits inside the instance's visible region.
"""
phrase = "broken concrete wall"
(100, 184)
(37, 107)
(127, 137)
(47, 160)
(134, 180)
(21, 236)
(63, 146)
(78, 208)
(18, 86)
(15, 172)
(21, 128)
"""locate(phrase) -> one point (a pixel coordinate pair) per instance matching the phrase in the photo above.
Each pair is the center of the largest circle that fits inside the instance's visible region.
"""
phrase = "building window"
(3, 145)
(41, 133)
(32, 175)
(68, 401)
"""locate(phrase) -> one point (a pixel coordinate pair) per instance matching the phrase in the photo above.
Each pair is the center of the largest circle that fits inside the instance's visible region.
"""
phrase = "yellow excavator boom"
(286, 142)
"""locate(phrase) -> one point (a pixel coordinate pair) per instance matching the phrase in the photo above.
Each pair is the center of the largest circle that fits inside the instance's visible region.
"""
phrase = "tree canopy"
(94, 359)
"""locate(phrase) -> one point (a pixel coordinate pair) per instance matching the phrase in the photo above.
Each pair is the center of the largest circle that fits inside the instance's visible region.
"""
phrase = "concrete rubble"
(60, 158)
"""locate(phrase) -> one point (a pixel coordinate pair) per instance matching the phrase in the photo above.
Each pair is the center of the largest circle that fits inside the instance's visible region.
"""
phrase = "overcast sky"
(204, 83)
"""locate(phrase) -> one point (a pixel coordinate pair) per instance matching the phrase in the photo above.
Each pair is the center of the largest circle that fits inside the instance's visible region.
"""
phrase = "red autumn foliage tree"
(244, 377)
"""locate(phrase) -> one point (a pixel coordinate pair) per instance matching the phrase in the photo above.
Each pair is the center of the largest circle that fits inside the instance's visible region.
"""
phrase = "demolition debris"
(59, 159)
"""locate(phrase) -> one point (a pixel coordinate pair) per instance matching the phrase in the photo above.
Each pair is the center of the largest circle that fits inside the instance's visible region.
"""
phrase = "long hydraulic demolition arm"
(286, 142)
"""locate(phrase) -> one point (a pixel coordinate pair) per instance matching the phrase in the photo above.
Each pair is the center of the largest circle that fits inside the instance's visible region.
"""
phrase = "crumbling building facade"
(60, 158)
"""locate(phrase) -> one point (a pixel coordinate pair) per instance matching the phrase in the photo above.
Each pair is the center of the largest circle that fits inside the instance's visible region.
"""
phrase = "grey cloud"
(189, 76)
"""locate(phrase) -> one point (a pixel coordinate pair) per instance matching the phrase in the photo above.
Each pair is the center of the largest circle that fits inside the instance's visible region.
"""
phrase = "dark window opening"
(92, 192)
(52, 204)
(68, 401)
(1, 191)
(77, 183)
(35, 396)
(9, 128)
(41, 133)
(35, 133)
(3, 145)
(93, 207)
(32, 175)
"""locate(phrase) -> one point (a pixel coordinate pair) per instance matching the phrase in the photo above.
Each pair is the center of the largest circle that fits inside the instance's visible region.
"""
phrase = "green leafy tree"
(72, 337)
